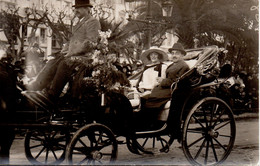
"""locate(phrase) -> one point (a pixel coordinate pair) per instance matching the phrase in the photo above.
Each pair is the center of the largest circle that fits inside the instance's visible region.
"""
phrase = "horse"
(8, 93)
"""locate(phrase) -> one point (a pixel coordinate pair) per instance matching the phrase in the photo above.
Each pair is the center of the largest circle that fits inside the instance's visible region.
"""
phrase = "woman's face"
(154, 57)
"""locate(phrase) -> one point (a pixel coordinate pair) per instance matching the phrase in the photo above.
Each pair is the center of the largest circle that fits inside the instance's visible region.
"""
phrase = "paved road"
(245, 151)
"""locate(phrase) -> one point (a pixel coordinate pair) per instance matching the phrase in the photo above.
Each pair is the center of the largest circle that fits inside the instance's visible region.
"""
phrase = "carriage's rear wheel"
(46, 146)
(209, 132)
(92, 144)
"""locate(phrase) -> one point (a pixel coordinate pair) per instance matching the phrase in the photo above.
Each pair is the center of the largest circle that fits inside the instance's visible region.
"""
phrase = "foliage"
(226, 23)
(104, 76)
(12, 21)
(11, 26)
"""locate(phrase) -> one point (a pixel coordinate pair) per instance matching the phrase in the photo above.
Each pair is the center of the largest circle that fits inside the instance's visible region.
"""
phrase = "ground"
(245, 151)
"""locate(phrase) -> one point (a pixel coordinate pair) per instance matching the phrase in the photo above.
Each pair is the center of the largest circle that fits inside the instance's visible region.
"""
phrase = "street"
(245, 151)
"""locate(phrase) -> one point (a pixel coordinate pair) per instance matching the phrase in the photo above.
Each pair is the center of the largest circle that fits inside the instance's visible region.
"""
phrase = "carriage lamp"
(167, 8)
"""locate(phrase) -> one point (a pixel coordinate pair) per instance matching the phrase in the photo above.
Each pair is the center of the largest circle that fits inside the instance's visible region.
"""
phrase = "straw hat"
(145, 56)
(82, 3)
(178, 47)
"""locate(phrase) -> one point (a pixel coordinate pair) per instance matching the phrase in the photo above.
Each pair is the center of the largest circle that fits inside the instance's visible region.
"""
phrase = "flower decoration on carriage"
(105, 76)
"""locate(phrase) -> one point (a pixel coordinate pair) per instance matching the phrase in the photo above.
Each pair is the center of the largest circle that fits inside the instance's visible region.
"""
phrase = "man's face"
(80, 12)
(175, 54)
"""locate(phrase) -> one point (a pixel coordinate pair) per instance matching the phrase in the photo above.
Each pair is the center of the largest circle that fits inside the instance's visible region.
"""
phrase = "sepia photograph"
(129, 82)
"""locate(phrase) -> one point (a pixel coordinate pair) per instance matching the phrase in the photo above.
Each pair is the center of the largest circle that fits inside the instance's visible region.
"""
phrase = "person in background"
(78, 50)
(32, 58)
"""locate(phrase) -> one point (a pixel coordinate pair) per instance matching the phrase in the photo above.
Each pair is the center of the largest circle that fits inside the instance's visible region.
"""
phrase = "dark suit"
(59, 70)
(162, 93)
(86, 30)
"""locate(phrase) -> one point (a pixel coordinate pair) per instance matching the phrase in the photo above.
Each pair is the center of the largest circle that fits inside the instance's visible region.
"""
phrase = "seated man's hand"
(158, 81)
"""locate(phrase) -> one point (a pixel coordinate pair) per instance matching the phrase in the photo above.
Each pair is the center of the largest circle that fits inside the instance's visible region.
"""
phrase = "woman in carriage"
(154, 68)
(156, 101)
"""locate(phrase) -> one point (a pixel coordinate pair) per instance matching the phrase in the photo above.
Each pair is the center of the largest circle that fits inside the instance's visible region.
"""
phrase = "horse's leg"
(6, 140)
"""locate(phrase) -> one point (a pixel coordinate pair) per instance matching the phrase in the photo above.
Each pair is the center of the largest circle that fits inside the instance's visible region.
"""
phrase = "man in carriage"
(53, 77)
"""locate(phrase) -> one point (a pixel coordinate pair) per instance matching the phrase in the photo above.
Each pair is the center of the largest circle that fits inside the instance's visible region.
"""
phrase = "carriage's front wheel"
(92, 144)
(208, 132)
(46, 146)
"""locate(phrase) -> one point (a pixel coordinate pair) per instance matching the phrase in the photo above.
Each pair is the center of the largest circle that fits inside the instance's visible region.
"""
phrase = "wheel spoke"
(222, 113)
(196, 130)
(61, 146)
(226, 123)
(228, 136)
(144, 143)
(198, 121)
(153, 142)
(207, 153)
(36, 138)
(35, 146)
(199, 151)
(54, 154)
(220, 144)
(100, 136)
(47, 154)
(82, 161)
(39, 153)
(195, 142)
(107, 154)
(205, 118)
(82, 143)
(214, 150)
(162, 142)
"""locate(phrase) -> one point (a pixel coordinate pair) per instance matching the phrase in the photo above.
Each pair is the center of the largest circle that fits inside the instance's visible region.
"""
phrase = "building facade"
(43, 37)
(121, 11)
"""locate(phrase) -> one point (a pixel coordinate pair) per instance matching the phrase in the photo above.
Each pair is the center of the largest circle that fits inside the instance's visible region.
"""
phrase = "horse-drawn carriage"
(87, 131)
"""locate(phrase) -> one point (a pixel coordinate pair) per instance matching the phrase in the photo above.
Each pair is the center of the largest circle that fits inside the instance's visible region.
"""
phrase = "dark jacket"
(85, 31)
(162, 93)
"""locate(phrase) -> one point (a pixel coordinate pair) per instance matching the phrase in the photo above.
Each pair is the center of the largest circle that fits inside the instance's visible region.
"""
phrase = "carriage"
(87, 131)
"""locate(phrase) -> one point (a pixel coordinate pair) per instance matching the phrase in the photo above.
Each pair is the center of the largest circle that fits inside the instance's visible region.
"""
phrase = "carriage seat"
(191, 63)
(134, 98)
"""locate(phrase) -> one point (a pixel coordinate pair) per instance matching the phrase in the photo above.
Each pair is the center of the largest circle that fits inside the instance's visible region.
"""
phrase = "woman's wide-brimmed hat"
(178, 47)
(82, 3)
(145, 55)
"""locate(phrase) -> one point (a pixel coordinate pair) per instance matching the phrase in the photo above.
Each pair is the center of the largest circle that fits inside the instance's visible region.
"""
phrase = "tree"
(13, 22)
(226, 23)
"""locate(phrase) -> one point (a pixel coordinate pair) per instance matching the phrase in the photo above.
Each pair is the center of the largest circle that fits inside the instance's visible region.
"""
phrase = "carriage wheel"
(149, 144)
(209, 132)
(92, 144)
(46, 147)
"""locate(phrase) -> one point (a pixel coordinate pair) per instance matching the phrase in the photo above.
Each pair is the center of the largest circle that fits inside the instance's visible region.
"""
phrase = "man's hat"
(82, 3)
(178, 47)
(145, 55)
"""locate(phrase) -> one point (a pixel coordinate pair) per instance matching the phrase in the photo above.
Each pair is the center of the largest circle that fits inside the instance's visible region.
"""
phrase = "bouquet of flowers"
(104, 76)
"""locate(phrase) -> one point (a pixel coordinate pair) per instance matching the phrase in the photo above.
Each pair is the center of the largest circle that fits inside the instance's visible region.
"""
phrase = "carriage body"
(207, 122)
(90, 126)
